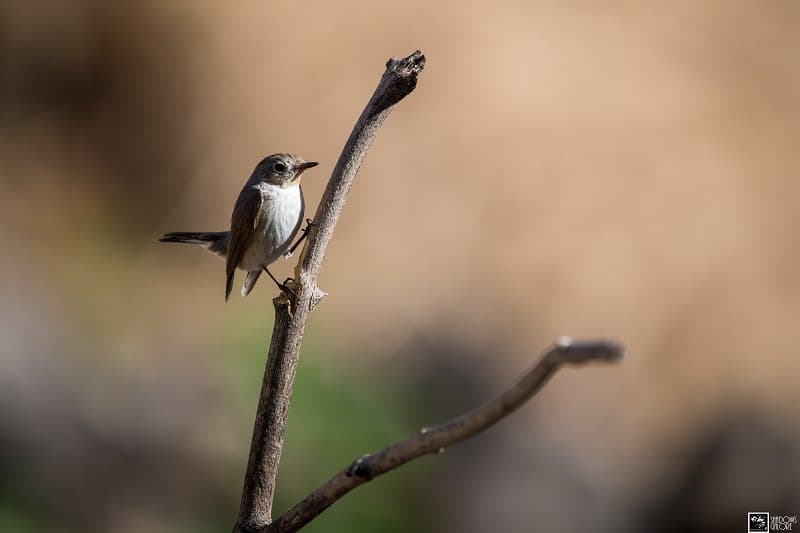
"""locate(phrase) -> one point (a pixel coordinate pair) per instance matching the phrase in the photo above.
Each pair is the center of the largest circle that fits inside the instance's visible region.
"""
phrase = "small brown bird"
(267, 216)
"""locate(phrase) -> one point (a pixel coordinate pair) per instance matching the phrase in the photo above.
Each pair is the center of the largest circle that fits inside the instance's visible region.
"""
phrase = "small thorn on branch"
(316, 297)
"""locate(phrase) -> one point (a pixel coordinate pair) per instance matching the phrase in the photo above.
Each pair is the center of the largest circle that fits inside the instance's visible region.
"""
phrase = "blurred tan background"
(614, 169)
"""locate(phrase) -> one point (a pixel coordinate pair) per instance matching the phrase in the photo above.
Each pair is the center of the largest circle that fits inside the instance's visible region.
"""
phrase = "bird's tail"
(214, 241)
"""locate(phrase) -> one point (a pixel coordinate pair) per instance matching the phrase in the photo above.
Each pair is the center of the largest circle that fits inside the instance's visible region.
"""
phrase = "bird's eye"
(279, 167)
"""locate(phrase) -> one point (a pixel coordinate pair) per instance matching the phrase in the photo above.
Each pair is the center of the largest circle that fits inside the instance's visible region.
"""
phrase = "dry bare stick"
(436, 439)
(291, 313)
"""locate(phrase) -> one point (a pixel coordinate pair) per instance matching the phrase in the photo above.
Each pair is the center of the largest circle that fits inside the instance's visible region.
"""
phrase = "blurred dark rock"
(741, 463)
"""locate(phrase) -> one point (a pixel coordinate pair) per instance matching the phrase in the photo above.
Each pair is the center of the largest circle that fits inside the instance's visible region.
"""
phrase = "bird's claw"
(287, 286)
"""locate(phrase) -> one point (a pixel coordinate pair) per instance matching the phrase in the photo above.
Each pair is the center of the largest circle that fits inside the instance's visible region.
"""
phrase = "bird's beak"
(306, 165)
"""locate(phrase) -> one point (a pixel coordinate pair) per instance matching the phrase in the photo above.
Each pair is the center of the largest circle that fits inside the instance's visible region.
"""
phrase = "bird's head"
(283, 170)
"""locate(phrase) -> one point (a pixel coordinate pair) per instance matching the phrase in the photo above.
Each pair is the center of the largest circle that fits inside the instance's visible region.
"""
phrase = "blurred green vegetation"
(339, 411)
(15, 516)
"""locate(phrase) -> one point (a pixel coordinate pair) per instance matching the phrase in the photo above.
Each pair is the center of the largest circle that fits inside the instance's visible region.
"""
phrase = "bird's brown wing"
(245, 219)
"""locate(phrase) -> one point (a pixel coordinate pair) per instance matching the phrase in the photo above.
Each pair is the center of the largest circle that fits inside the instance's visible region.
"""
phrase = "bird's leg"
(282, 286)
(301, 239)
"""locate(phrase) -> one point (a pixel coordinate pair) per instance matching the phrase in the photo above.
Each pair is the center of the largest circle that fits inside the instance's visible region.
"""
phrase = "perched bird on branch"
(266, 218)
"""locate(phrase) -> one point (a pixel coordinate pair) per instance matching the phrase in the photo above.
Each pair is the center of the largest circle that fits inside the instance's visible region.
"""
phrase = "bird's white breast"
(281, 218)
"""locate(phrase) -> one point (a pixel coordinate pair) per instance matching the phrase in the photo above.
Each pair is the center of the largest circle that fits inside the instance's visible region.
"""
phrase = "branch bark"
(291, 312)
(436, 439)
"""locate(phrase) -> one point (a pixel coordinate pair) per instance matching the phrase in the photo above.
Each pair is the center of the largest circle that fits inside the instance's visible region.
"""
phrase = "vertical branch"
(291, 313)
(265, 448)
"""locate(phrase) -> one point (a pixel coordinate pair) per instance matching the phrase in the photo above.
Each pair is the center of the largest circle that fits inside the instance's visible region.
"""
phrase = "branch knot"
(360, 468)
